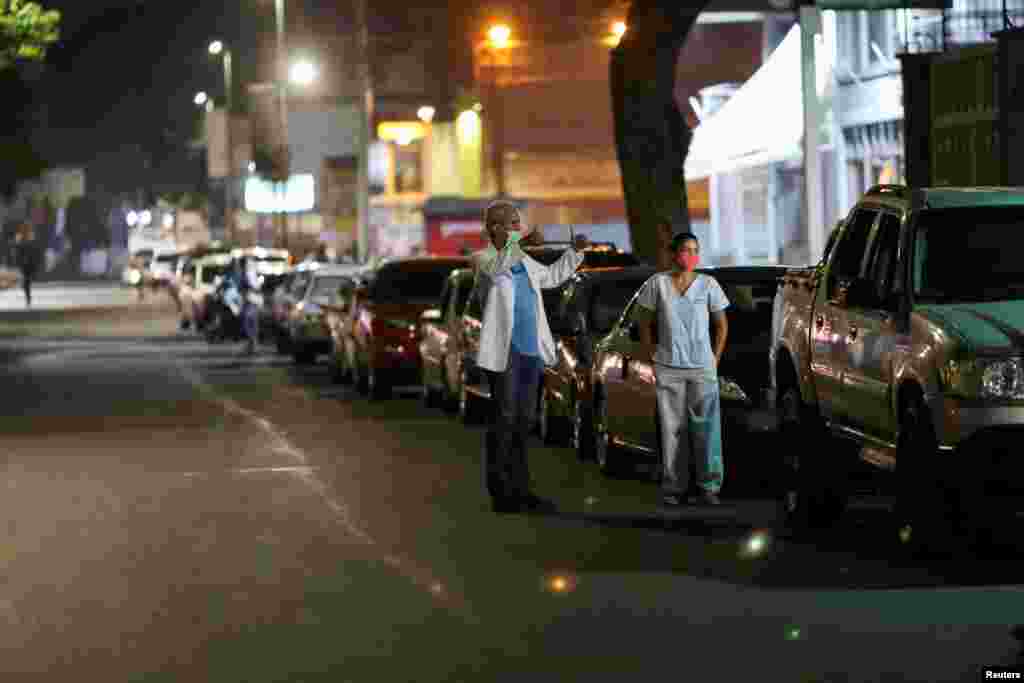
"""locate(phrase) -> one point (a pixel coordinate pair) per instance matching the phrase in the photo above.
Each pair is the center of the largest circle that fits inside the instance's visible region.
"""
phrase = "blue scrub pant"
(691, 428)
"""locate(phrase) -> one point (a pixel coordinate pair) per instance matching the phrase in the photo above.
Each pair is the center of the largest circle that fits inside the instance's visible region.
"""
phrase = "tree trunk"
(652, 138)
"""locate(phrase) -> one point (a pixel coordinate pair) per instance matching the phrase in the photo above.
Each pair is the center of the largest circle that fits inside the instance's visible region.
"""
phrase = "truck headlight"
(1002, 378)
(996, 378)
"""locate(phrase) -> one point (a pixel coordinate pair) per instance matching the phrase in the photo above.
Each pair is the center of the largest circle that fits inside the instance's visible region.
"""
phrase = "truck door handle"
(819, 322)
(853, 332)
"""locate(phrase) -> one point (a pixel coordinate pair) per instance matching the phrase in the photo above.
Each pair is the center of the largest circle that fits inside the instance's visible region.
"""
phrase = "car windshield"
(405, 283)
(968, 255)
(325, 287)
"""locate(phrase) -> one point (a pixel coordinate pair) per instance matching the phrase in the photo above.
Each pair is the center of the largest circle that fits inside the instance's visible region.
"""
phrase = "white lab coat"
(499, 297)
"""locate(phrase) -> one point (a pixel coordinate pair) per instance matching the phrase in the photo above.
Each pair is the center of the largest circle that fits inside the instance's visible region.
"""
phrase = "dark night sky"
(125, 72)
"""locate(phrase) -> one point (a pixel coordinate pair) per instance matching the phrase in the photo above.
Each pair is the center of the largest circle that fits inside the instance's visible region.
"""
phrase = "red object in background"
(454, 226)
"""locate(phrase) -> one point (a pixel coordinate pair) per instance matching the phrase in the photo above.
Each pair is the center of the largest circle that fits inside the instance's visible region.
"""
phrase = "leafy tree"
(652, 137)
(27, 29)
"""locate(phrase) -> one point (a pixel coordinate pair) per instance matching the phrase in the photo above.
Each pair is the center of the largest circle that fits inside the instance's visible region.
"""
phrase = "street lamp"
(303, 73)
(216, 48)
(498, 39)
(425, 114)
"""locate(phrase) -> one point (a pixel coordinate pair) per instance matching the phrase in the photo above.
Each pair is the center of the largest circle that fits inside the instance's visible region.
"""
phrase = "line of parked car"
(411, 322)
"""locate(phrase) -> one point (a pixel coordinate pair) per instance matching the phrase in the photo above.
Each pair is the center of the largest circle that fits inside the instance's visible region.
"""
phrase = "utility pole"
(229, 204)
(282, 94)
(366, 130)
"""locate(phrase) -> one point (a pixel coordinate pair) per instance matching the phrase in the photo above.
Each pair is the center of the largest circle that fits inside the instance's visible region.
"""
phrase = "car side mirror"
(431, 315)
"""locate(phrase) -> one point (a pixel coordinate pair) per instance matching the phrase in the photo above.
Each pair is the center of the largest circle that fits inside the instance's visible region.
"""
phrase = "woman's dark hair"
(681, 237)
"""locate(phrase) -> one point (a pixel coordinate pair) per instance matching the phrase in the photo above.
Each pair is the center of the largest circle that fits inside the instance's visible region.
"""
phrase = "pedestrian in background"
(680, 305)
(245, 281)
(28, 256)
(515, 345)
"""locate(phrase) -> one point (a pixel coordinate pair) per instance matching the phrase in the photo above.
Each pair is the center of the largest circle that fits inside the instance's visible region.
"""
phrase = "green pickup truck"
(907, 343)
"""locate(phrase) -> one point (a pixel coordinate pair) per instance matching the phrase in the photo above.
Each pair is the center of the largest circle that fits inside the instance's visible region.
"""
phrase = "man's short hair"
(681, 237)
(496, 207)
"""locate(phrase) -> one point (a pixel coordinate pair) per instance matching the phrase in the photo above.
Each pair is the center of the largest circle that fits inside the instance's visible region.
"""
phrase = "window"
(299, 285)
(969, 255)
(883, 266)
(404, 284)
(326, 287)
(881, 27)
(608, 302)
(852, 246)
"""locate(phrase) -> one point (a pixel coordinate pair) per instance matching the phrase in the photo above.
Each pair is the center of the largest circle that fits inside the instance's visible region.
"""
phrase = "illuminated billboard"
(264, 196)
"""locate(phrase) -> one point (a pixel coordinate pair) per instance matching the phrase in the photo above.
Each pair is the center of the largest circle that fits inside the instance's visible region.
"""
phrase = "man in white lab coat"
(515, 345)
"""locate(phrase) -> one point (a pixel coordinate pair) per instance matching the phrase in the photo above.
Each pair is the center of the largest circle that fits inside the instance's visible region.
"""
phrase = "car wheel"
(469, 409)
(429, 394)
(582, 430)
(607, 455)
(449, 397)
(811, 495)
(926, 511)
(555, 427)
(341, 373)
(283, 343)
(362, 379)
(378, 385)
(303, 356)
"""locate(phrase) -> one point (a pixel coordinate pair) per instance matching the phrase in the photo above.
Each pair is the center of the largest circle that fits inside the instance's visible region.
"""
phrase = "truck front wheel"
(926, 511)
(812, 495)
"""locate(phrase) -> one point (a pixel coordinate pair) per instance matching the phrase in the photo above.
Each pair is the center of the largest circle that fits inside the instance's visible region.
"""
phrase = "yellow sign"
(402, 132)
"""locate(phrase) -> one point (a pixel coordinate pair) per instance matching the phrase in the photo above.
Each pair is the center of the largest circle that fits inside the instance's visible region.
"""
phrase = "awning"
(763, 122)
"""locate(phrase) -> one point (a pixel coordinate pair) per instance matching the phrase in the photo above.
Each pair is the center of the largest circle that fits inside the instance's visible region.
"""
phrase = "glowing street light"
(216, 47)
(201, 98)
(619, 29)
(426, 114)
(303, 73)
(498, 36)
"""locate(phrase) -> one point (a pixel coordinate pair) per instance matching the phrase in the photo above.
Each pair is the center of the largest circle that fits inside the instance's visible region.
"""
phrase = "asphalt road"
(176, 511)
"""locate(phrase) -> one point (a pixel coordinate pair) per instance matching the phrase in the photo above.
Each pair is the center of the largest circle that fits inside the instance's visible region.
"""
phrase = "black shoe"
(707, 498)
(505, 506)
(532, 503)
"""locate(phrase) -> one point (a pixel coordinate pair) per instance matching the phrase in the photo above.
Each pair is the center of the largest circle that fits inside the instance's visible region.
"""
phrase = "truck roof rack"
(897, 190)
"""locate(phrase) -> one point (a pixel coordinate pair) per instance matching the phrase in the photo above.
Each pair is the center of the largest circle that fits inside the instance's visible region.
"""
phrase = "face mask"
(688, 262)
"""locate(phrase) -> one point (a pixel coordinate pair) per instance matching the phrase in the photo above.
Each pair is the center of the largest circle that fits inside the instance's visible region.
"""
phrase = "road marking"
(279, 443)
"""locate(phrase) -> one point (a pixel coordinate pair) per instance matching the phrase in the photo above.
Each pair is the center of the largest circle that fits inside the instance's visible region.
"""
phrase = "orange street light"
(498, 36)
(619, 29)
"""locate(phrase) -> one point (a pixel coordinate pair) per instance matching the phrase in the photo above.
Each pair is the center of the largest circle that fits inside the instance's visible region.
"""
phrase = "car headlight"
(1003, 378)
(997, 378)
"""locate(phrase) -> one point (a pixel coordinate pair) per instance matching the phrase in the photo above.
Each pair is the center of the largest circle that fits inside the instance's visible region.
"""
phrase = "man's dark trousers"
(514, 402)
